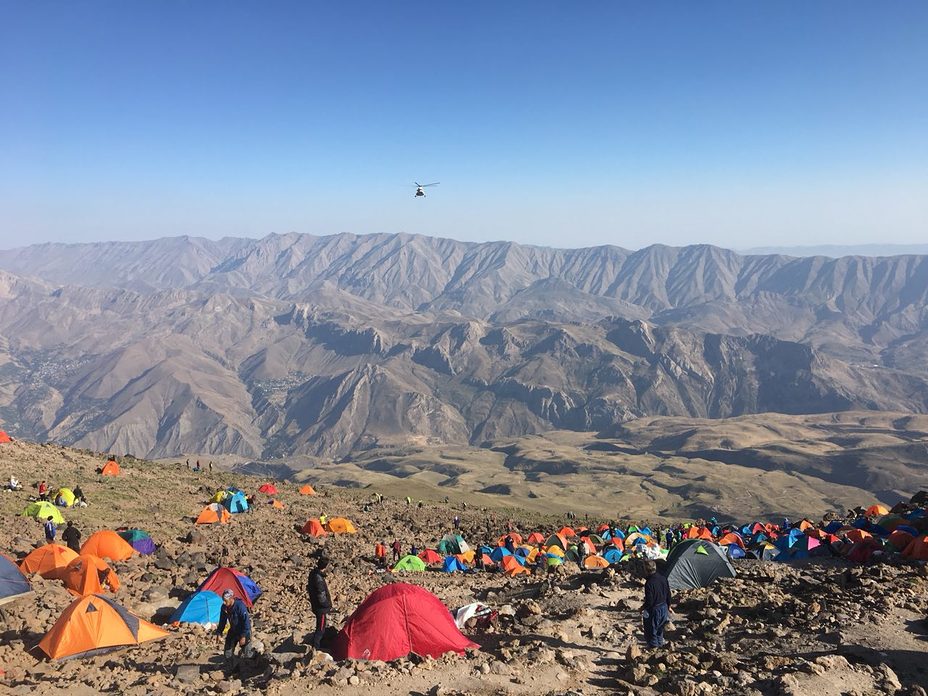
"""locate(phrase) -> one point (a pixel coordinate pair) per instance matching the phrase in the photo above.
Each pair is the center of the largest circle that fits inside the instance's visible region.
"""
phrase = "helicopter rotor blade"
(432, 184)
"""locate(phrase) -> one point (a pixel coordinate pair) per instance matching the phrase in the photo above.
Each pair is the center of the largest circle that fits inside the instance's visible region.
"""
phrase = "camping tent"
(199, 608)
(13, 584)
(877, 511)
(223, 579)
(696, 563)
(917, 549)
(613, 555)
(66, 496)
(556, 540)
(341, 525)
(452, 544)
(512, 567)
(46, 559)
(108, 544)
(452, 564)
(96, 624)
(268, 489)
(42, 510)
(409, 563)
(235, 502)
(306, 489)
(4, 438)
(111, 468)
(86, 575)
(430, 557)
(138, 540)
(214, 513)
(595, 562)
(535, 538)
(313, 528)
(396, 620)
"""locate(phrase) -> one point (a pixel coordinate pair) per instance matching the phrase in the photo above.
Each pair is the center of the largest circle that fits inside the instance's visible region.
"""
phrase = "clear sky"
(735, 123)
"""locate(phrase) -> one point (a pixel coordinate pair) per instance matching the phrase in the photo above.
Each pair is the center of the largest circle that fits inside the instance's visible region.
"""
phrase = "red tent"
(431, 557)
(268, 488)
(4, 437)
(398, 619)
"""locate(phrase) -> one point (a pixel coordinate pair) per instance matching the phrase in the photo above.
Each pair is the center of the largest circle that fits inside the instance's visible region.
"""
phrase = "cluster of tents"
(93, 622)
(232, 501)
(314, 527)
(874, 530)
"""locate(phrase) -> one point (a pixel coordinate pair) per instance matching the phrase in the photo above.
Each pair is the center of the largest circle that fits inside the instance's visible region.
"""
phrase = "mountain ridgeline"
(323, 346)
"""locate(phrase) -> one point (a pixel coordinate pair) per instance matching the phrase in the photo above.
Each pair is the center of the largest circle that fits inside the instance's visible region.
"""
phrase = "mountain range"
(324, 346)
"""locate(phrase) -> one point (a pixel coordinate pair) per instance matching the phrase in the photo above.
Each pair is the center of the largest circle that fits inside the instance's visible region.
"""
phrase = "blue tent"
(13, 583)
(522, 551)
(453, 565)
(200, 608)
(499, 553)
(236, 502)
(735, 551)
(612, 555)
(833, 527)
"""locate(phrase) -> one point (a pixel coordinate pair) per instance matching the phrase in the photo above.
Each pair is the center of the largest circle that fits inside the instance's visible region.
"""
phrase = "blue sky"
(568, 124)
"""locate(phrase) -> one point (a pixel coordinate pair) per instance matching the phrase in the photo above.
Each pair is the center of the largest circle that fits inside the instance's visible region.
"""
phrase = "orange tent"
(108, 544)
(858, 535)
(917, 549)
(277, 505)
(466, 557)
(877, 510)
(111, 468)
(4, 438)
(595, 562)
(695, 532)
(313, 528)
(214, 513)
(487, 561)
(590, 546)
(567, 532)
(535, 538)
(341, 525)
(96, 624)
(307, 490)
(86, 575)
(900, 539)
(430, 557)
(512, 567)
(731, 538)
(47, 559)
(618, 542)
(516, 539)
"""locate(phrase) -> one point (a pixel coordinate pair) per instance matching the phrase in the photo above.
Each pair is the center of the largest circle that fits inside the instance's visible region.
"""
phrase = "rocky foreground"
(814, 627)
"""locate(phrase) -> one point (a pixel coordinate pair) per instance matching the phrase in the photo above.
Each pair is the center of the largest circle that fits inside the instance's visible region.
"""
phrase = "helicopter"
(420, 187)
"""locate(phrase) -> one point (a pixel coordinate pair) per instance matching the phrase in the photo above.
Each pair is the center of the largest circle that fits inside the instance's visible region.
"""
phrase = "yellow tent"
(66, 495)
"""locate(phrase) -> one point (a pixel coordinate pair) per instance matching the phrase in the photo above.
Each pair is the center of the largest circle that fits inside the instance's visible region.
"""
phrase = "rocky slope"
(322, 346)
(815, 627)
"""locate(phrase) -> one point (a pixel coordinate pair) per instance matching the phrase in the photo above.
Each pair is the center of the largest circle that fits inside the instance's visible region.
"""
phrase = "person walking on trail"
(656, 608)
(50, 530)
(235, 614)
(397, 550)
(319, 598)
(72, 537)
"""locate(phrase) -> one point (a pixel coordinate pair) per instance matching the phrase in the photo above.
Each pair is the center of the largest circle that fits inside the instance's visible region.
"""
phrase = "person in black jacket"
(655, 612)
(235, 614)
(72, 537)
(319, 598)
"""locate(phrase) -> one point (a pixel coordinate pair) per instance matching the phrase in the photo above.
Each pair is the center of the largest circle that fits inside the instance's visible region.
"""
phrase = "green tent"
(452, 545)
(42, 510)
(410, 563)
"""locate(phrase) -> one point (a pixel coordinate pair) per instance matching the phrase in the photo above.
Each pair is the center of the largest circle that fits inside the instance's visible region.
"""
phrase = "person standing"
(43, 490)
(397, 550)
(656, 608)
(319, 598)
(72, 537)
(235, 614)
(380, 553)
(50, 530)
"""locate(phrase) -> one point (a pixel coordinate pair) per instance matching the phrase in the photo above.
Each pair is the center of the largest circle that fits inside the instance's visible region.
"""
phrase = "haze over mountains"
(295, 344)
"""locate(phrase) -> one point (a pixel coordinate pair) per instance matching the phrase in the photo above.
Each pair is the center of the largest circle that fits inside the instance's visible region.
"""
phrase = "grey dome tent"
(696, 563)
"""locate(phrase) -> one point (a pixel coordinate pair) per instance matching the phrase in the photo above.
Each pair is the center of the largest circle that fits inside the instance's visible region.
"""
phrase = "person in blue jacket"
(235, 614)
